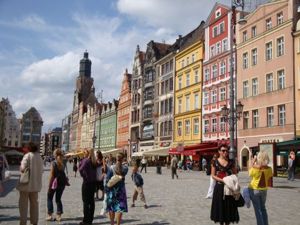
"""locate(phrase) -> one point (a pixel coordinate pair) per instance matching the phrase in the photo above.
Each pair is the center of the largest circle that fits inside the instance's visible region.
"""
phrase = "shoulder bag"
(25, 176)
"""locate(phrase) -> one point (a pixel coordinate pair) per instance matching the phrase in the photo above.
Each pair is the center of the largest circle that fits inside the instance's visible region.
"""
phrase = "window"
(281, 115)
(196, 76)
(253, 31)
(269, 82)
(244, 36)
(179, 128)
(218, 48)
(182, 63)
(179, 105)
(166, 86)
(222, 27)
(162, 88)
(170, 105)
(269, 51)
(225, 45)
(196, 126)
(222, 94)
(212, 51)
(268, 24)
(222, 124)
(187, 127)
(245, 89)
(196, 103)
(215, 31)
(222, 68)
(254, 86)
(187, 103)
(171, 84)
(281, 79)
(254, 56)
(193, 58)
(214, 96)
(214, 125)
(162, 108)
(255, 118)
(187, 81)
(206, 74)
(280, 46)
(245, 60)
(270, 116)
(206, 98)
(279, 18)
(214, 71)
(245, 120)
(179, 82)
(206, 126)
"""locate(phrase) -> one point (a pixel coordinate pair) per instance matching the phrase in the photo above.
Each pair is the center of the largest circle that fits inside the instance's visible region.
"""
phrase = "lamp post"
(233, 113)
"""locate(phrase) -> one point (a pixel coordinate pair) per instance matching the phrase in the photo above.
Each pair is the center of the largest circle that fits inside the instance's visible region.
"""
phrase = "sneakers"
(132, 205)
(49, 217)
(145, 206)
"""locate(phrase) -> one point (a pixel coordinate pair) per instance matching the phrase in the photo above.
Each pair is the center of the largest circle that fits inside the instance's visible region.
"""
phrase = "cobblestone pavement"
(176, 202)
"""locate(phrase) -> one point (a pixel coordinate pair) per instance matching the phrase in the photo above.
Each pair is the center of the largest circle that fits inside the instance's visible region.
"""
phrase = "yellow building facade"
(297, 77)
(188, 89)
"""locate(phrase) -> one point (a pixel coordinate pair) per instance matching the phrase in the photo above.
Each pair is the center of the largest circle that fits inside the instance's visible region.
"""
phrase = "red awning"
(205, 148)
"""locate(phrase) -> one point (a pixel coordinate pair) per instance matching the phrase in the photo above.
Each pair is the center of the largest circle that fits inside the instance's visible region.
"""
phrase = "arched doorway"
(244, 157)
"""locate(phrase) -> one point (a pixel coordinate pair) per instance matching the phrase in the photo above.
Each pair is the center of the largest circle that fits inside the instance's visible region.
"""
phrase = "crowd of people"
(105, 178)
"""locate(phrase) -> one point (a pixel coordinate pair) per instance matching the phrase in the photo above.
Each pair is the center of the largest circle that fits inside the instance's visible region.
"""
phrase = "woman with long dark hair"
(57, 172)
(87, 169)
(116, 195)
(224, 208)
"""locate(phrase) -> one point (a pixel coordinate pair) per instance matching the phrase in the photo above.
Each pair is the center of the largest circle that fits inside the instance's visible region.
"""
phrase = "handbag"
(54, 184)
(25, 176)
(240, 202)
(114, 180)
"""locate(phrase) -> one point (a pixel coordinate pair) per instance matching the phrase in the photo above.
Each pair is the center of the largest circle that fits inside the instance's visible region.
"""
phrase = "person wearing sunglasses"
(223, 208)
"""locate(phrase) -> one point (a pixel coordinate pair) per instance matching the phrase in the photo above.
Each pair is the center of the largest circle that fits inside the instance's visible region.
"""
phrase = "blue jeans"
(258, 199)
(58, 193)
(291, 174)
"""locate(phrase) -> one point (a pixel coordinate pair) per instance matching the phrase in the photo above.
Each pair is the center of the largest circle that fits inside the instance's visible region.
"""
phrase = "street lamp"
(233, 113)
(94, 138)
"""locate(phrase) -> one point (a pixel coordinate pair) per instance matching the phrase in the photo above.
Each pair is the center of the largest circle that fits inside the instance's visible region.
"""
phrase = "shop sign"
(270, 140)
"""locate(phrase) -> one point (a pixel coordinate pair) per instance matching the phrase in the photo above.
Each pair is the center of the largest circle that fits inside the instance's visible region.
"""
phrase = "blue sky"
(41, 43)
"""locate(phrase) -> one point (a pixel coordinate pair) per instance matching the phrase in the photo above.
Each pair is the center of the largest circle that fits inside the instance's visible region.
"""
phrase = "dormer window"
(268, 24)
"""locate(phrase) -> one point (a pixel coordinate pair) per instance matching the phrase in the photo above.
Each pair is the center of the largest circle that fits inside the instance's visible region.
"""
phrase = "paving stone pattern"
(176, 202)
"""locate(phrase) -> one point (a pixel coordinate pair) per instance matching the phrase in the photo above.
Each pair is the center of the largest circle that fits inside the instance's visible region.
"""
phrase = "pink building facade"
(265, 80)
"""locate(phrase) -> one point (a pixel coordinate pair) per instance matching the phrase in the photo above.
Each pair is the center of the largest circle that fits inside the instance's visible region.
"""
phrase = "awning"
(157, 152)
(288, 143)
(112, 151)
(137, 154)
(201, 148)
(13, 152)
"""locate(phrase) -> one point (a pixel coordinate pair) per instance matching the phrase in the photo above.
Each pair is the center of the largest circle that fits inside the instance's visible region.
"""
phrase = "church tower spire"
(85, 65)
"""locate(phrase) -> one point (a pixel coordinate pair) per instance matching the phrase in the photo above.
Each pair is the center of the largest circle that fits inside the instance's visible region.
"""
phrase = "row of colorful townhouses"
(172, 102)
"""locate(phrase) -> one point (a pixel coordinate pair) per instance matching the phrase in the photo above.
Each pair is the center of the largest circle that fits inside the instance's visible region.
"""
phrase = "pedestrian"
(174, 162)
(204, 164)
(75, 167)
(291, 166)
(58, 176)
(223, 208)
(261, 175)
(29, 191)
(116, 195)
(87, 170)
(144, 164)
(212, 181)
(100, 175)
(138, 187)
(3, 167)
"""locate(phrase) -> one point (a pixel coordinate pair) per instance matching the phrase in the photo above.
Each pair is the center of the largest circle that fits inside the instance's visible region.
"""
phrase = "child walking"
(138, 189)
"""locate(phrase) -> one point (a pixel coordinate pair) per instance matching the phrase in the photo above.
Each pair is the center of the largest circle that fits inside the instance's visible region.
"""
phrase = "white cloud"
(176, 15)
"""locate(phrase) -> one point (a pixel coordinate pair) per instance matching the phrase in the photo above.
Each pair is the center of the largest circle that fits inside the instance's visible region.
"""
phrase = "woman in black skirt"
(223, 209)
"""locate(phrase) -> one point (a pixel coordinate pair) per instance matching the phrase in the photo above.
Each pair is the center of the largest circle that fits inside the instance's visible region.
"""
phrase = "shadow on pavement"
(8, 207)
(154, 223)
(9, 218)
(9, 185)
